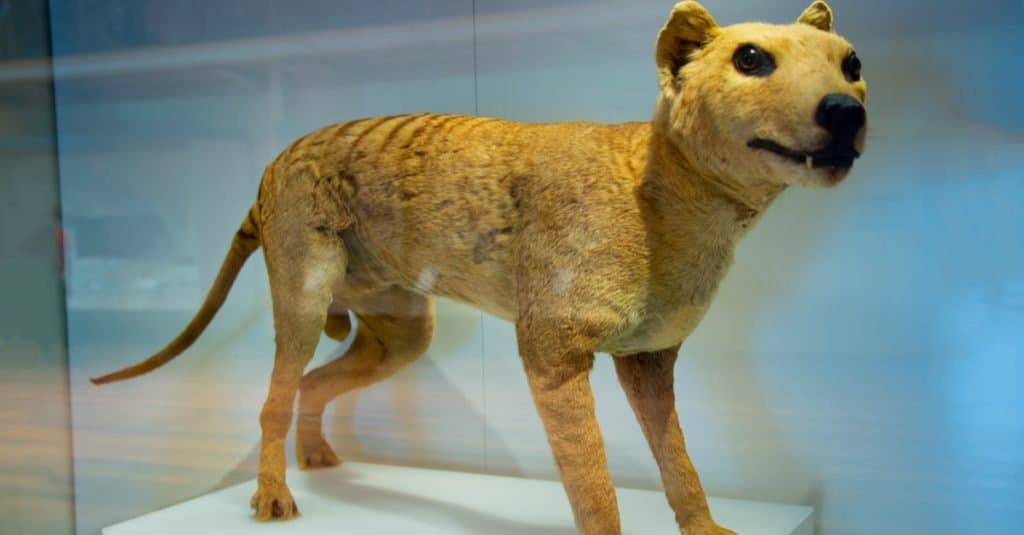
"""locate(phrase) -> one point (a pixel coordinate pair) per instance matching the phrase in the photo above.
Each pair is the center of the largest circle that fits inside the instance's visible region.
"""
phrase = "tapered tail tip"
(103, 380)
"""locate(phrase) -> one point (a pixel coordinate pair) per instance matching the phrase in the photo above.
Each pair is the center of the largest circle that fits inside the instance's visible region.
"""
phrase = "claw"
(269, 502)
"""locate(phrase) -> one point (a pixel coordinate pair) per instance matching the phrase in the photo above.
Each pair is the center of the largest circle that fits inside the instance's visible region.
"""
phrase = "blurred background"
(35, 439)
(865, 355)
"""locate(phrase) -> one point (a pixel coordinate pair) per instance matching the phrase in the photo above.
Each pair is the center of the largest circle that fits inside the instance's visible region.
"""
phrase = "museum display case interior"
(859, 370)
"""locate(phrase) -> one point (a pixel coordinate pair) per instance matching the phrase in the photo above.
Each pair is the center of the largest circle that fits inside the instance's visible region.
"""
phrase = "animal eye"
(751, 60)
(851, 67)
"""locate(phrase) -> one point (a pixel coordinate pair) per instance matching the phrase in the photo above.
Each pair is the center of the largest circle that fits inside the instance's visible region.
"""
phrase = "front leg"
(557, 371)
(647, 379)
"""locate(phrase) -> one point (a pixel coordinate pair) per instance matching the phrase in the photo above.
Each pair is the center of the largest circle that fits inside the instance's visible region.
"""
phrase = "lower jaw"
(836, 174)
(811, 163)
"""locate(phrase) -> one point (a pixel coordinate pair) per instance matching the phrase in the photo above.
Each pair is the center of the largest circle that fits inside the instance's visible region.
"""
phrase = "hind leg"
(302, 268)
(337, 326)
(394, 329)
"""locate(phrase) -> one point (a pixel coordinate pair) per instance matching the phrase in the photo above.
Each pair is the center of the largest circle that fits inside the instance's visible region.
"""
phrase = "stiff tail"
(246, 241)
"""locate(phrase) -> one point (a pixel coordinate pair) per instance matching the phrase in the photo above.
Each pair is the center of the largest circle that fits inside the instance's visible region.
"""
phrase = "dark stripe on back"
(343, 128)
(463, 120)
(394, 131)
(472, 126)
(428, 121)
(439, 126)
(362, 135)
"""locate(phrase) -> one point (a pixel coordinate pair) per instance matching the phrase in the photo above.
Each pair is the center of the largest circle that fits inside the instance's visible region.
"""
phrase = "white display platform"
(369, 499)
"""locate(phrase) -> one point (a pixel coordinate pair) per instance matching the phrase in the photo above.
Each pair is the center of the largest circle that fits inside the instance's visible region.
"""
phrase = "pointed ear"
(818, 15)
(688, 28)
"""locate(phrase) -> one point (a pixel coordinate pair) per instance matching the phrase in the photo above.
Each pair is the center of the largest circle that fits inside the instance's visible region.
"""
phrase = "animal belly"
(489, 289)
(439, 264)
(656, 332)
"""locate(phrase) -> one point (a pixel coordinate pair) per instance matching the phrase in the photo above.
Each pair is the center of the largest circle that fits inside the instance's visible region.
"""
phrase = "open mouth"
(833, 155)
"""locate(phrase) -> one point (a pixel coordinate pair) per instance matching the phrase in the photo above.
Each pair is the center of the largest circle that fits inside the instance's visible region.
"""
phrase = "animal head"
(754, 102)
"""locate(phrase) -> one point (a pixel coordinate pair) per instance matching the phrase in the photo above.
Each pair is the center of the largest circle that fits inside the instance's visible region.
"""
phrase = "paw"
(273, 501)
(315, 453)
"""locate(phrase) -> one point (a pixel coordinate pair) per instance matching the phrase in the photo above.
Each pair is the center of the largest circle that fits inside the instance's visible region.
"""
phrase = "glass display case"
(861, 364)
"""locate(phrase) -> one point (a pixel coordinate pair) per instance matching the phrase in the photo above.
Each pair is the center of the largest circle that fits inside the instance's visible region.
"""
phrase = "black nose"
(842, 115)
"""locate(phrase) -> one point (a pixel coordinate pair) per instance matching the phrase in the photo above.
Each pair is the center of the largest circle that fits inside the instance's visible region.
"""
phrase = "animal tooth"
(809, 161)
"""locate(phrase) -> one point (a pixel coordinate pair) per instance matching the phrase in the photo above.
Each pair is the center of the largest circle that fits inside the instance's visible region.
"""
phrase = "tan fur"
(591, 238)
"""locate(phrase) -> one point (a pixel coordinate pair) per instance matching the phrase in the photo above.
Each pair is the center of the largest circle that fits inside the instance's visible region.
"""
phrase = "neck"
(675, 188)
